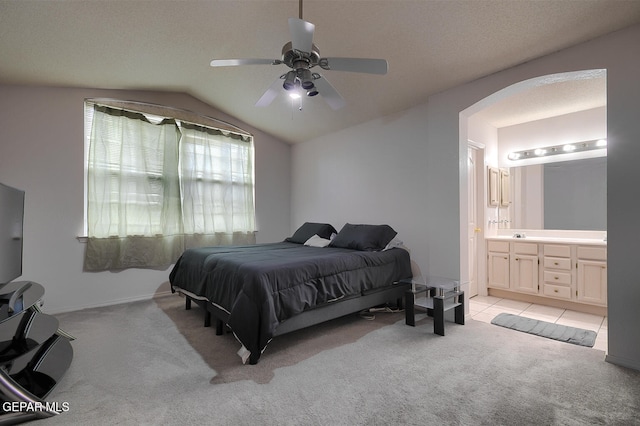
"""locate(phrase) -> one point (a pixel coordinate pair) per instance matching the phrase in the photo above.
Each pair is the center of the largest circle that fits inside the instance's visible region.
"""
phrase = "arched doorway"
(475, 132)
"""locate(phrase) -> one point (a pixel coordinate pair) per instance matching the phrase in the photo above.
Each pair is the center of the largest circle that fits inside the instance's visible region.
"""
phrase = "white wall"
(41, 152)
(409, 170)
(375, 173)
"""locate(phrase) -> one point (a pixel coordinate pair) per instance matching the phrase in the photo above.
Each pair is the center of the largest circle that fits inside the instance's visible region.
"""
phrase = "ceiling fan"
(301, 55)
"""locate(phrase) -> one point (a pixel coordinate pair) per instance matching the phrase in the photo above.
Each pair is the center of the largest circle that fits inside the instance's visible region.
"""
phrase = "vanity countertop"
(552, 240)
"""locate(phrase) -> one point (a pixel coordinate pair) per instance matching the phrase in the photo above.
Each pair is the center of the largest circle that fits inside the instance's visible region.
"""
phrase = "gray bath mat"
(563, 333)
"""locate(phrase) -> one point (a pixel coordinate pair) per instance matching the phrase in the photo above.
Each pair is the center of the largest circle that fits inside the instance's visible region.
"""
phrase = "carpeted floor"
(220, 352)
(135, 365)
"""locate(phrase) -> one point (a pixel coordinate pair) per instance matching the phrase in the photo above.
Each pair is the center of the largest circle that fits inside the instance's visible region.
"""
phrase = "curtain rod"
(146, 106)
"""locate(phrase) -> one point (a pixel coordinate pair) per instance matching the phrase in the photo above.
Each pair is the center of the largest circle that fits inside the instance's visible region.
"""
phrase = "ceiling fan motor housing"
(296, 59)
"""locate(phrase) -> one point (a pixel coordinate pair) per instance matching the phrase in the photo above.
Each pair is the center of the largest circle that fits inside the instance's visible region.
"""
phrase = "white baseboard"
(109, 303)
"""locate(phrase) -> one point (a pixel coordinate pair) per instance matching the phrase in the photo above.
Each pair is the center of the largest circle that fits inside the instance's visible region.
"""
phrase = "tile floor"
(485, 308)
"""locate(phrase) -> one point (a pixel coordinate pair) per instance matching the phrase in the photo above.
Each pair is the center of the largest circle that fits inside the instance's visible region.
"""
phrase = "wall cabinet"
(571, 272)
(494, 186)
(505, 187)
(499, 187)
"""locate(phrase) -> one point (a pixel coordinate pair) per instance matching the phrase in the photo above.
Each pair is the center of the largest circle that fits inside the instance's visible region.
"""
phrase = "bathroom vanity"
(565, 269)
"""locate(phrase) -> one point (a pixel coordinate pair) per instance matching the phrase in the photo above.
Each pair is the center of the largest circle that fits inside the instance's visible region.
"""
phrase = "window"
(157, 184)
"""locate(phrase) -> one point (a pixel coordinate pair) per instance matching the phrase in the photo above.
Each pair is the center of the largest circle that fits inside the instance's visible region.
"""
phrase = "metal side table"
(441, 295)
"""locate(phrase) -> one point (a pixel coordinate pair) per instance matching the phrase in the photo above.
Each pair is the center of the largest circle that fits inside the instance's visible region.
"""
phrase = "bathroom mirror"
(569, 195)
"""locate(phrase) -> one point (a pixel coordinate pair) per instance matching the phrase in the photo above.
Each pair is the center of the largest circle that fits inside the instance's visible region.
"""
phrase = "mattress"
(262, 285)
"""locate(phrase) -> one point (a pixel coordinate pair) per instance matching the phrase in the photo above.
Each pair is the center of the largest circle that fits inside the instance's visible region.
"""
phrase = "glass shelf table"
(441, 295)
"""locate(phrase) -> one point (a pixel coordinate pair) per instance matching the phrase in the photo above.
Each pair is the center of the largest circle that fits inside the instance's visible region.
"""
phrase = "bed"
(264, 290)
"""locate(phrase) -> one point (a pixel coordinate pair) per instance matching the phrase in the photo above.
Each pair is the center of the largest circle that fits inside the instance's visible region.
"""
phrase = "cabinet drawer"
(595, 253)
(556, 277)
(525, 248)
(559, 291)
(557, 250)
(499, 246)
(557, 263)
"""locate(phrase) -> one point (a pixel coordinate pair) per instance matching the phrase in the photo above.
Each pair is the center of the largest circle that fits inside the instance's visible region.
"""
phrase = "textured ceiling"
(430, 46)
(548, 100)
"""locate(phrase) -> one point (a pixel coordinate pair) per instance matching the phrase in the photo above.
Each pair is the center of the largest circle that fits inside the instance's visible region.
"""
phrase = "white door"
(473, 228)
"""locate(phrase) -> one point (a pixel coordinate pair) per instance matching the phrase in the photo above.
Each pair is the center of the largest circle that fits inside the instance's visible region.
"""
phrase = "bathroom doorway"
(480, 124)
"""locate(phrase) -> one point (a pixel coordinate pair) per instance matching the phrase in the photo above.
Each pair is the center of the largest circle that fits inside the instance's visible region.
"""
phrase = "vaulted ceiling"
(430, 46)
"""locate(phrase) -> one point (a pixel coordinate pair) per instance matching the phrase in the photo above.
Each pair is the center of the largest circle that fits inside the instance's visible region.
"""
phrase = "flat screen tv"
(11, 219)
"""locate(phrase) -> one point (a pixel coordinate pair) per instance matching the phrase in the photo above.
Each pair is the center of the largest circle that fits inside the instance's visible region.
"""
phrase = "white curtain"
(156, 186)
(217, 182)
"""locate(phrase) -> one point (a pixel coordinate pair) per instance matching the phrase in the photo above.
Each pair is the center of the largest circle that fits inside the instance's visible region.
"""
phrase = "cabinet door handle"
(555, 290)
(555, 263)
(555, 278)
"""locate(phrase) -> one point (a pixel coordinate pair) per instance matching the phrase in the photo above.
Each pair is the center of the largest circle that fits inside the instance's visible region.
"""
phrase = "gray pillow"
(309, 229)
(364, 237)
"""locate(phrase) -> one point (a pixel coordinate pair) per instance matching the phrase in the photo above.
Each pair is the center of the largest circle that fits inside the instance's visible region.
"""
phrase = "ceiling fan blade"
(301, 34)
(270, 94)
(235, 62)
(329, 93)
(369, 66)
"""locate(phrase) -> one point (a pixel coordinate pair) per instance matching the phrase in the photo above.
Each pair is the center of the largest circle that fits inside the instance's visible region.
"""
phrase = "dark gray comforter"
(264, 284)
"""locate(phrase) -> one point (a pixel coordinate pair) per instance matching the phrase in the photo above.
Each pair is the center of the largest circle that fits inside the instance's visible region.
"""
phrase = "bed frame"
(391, 294)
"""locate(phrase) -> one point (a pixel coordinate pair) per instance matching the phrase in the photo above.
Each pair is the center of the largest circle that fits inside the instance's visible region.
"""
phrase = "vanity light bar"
(559, 149)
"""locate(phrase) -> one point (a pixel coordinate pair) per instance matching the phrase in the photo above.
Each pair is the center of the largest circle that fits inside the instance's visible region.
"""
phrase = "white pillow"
(395, 243)
(317, 241)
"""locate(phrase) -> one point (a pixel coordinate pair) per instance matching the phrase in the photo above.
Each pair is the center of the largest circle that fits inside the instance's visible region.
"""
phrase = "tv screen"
(11, 218)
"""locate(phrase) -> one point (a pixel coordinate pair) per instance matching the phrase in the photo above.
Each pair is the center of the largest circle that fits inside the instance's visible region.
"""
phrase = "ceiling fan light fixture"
(296, 91)
(312, 91)
(306, 78)
(289, 81)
